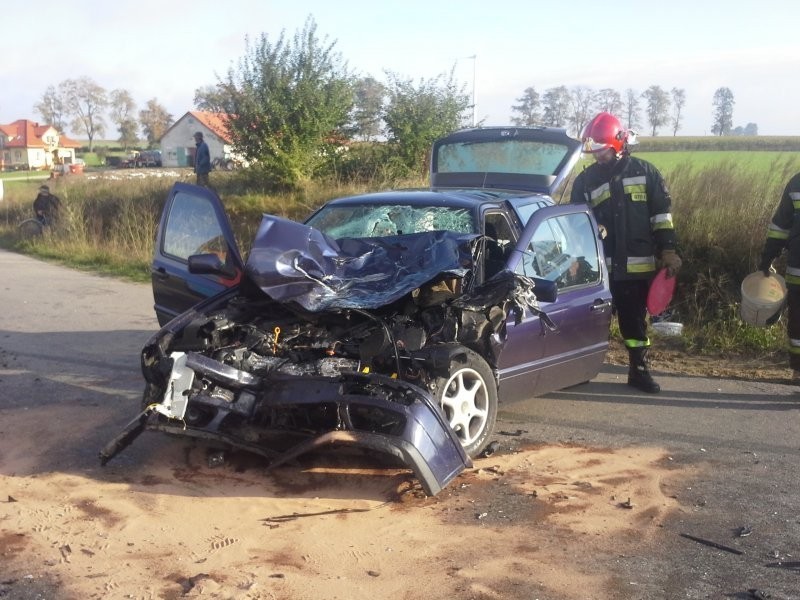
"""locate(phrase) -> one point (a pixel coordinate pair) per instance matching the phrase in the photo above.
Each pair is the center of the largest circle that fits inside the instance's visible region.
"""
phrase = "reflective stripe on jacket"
(631, 201)
(784, 231)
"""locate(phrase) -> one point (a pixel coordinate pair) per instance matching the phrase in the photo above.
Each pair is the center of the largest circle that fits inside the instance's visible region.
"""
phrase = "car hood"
(292, 262)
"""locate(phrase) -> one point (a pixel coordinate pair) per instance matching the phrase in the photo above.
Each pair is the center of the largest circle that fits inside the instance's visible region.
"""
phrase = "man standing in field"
(202, 160)
(783, 233)
(632, 206)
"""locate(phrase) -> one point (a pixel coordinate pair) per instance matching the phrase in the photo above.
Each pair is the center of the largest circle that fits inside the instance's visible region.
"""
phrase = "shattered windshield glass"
(528, 157)
(295, 262)
(378, 220)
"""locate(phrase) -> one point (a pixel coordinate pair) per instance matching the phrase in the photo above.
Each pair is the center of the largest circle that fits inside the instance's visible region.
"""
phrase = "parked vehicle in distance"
(137, 159)
(149, 158)
(393, 321)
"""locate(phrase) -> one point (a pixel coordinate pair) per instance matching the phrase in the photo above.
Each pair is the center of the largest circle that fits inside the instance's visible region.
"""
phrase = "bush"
(720, 211)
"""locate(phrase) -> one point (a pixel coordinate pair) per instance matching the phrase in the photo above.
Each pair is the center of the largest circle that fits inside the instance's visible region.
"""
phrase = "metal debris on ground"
(337, 511)
(626, 504)
(215, 459)
(711, 544)
(490, 449)
(743, 531)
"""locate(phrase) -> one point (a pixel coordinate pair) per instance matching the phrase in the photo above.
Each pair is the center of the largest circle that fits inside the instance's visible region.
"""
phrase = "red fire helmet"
(604, 131)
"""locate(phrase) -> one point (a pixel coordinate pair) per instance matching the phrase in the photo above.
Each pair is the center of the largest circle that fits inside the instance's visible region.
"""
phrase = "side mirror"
(545, 290)
(210, 264)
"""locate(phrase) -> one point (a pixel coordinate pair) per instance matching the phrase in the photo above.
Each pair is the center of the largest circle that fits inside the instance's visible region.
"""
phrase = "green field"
(758, 161)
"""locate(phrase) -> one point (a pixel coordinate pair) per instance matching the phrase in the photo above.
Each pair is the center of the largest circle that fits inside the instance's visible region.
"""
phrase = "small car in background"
(393, 321)
(148, 158)
(137, 159)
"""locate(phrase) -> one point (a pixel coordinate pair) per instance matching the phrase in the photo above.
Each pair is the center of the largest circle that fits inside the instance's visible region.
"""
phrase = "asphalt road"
(73, 338)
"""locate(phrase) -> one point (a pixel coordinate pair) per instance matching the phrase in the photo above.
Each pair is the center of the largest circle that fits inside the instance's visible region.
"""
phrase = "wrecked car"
(393, 321)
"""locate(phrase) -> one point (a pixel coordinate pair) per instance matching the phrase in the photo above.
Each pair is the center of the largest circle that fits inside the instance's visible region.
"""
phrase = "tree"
(155, 121)
(369, 95)
(85, 101)
(416, 116)
(657, 107)
(288, 98)
(213, 98)
(678, 102)
(51, 109)
(609, 100)
(528, 108)
(749, 129)
(556, 103)
(631, 109)
(723, 111)
(581, 99)
(121, 113)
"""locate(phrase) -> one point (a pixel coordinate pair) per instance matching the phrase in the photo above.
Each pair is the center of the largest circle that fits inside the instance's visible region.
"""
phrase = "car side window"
(192, 227)
(563, 249)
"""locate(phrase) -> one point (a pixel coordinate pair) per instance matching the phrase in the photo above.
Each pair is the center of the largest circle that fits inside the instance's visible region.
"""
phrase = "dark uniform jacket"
(784, 232)
(202, 160)
(632, 204)
(47, 204)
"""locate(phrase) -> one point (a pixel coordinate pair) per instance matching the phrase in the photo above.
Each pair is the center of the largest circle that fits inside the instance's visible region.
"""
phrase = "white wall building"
(177, 143)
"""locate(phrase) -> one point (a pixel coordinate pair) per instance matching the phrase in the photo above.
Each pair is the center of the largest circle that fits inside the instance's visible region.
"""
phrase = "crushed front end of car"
(330, 342)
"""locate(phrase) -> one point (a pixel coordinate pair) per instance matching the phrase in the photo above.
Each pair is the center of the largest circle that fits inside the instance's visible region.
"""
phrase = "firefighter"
(784, 233)
(632, 206)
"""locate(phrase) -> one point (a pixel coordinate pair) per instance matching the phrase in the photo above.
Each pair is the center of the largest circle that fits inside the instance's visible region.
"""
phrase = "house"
(177, 143)
(25, 144)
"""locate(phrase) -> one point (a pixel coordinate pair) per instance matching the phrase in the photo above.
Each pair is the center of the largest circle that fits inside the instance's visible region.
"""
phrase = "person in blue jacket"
(202, 160)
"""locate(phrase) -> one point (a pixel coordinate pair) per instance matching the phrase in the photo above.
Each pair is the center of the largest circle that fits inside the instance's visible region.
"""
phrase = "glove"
(765, 266)
(671, 261)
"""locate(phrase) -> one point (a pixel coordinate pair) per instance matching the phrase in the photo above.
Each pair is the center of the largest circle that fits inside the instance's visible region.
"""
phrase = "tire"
(468, 398)
(30, 228)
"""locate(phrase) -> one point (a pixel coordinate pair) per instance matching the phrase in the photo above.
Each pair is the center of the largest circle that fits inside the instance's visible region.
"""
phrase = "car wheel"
(468, 398)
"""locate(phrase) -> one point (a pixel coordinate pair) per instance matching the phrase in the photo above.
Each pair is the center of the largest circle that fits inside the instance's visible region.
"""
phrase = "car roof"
(456, 198)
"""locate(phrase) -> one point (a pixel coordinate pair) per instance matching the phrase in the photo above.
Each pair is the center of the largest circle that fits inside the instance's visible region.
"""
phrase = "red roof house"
(26, 144)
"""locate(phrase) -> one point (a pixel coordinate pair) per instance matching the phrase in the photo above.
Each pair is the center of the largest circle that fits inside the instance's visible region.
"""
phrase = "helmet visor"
(590, 146)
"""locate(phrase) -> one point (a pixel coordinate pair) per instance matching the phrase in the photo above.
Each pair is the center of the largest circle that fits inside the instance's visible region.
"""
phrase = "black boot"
(638, 374)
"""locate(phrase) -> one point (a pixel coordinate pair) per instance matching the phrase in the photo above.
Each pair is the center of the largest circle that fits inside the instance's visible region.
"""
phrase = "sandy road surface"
(546, 517)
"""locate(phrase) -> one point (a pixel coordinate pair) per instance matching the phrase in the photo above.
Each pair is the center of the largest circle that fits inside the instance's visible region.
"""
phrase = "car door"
(193, 222)
(559, 243)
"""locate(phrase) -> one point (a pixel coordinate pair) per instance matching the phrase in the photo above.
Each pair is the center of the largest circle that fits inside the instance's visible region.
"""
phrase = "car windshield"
(528, 157)
(378, 220)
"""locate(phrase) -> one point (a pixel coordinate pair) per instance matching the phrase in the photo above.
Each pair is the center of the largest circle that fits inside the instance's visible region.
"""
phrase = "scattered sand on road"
(521, 523)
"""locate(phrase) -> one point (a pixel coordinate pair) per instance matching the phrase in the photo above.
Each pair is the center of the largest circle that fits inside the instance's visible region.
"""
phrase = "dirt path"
(174, 528)
(534, 521)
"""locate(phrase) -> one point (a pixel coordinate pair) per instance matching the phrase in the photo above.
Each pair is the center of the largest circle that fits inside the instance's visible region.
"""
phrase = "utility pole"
(474, 59)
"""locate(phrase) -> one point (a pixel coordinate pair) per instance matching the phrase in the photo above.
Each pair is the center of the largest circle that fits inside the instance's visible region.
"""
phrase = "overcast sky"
(166, 49)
